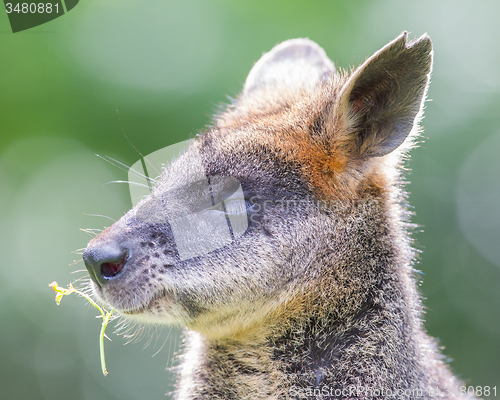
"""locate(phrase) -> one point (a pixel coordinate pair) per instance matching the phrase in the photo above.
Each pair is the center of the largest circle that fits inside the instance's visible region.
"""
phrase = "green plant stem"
(105, 314)
(101, 341)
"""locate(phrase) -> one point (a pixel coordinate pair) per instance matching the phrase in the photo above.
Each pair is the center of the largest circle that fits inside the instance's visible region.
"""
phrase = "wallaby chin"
(279, 238)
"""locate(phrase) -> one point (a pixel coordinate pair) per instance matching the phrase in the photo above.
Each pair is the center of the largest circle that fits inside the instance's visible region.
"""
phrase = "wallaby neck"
(356, 332)
(377, 349)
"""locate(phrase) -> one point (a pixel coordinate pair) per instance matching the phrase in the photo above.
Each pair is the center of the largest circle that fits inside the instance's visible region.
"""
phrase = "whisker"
(85, 279)
(164, 342)
(78, 251)
(91, 232)
(138, 152)
(125, 167)
(113, 164)
(174, 350)
(100, 215)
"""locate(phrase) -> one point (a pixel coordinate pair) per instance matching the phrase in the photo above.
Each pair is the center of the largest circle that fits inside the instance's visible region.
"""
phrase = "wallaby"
(311, 293)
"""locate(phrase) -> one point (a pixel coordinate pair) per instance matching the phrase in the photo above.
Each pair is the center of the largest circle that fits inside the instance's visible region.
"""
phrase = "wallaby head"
(313, 277)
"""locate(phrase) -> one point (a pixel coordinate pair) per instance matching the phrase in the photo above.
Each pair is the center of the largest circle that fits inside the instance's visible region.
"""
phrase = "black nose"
(104, 262)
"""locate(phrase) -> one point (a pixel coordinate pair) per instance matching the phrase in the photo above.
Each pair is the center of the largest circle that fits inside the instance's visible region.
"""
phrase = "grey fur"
(318, 298)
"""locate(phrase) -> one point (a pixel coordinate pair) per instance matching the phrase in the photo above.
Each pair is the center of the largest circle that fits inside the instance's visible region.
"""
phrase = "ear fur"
(293, 64)
(383, 98)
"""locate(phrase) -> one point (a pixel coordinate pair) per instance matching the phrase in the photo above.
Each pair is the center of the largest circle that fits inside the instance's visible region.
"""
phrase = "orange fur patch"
(325, 160)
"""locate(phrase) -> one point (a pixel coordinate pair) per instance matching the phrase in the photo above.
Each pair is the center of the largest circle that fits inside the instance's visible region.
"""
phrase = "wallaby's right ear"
(381, 100)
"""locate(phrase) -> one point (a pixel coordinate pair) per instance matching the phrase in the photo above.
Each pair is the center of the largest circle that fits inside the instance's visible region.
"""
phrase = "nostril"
(110, 269)
(105, 262)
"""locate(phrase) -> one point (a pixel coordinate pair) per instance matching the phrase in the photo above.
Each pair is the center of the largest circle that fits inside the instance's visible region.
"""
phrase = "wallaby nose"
(104, 262)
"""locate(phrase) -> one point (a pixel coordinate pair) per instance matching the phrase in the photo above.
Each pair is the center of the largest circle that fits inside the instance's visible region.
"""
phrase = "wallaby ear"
(382, 99)
(293, 64)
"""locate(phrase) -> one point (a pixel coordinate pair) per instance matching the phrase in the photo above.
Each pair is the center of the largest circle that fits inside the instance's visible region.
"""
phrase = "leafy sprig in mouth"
(105, 314)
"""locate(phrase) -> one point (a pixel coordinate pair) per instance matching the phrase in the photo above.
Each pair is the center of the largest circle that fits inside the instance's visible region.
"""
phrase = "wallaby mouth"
(150, 303)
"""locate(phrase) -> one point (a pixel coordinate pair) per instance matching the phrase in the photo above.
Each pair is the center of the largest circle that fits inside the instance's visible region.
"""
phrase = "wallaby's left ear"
(293, 64)
(383, 97)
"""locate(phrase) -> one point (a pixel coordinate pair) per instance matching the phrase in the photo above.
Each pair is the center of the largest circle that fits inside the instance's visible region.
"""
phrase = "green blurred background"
(166, 66)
